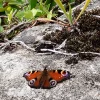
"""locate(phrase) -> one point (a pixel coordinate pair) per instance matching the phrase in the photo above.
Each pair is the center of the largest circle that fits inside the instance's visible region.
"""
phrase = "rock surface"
(84, 86)
(36, 33)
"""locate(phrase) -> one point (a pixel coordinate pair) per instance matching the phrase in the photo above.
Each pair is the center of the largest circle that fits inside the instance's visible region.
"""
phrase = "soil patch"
(84, 38)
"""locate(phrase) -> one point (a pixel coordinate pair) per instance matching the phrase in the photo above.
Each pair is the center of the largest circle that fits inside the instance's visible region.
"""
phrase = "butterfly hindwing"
(49, 83)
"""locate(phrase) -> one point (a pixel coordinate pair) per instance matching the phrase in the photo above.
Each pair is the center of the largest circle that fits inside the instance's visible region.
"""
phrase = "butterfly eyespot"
(63, 73)
(53, 83)
(31, 82)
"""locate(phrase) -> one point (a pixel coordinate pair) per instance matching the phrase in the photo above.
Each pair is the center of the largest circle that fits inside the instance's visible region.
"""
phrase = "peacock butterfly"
(46, 79)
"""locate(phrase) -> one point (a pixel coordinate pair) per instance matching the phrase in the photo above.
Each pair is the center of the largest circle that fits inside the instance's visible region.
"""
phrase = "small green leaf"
(16, 4)
(20, 15)
(1, 29)
(8, 9)
(36, 12)
(32, 4)
(10, 16)
(51, 3)
(1, 5)
(28, 14)
(59, 3)
(50, 15)
(43, 8)
(84, 8)
(2, 9)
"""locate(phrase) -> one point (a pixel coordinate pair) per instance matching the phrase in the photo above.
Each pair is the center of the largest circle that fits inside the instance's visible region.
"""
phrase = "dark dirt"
(58, 37)
(88, 21)
(84, 42)
(85, 39)
(88, 39)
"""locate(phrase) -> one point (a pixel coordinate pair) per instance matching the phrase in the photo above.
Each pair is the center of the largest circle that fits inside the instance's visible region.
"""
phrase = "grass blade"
(84, 8)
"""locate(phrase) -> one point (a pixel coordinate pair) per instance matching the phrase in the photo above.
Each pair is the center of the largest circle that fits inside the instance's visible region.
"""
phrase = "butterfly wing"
(59, 75)
(33, 78)
(54, 77)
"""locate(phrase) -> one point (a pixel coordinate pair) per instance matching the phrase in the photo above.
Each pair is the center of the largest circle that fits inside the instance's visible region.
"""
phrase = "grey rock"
(36, 33)
(84, 86)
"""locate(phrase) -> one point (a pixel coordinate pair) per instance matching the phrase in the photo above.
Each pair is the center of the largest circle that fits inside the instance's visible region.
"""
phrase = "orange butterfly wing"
(33, 78)
(59, 75)
(54, 77)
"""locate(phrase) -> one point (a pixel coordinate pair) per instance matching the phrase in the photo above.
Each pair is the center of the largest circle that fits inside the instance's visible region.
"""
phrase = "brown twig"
(3, 16)
(49, 20)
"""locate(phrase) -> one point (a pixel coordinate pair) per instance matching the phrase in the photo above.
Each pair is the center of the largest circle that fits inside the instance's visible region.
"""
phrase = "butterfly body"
(46, 78)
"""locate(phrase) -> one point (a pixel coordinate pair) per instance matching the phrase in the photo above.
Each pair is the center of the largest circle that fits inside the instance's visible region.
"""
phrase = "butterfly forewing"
(32, 75)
